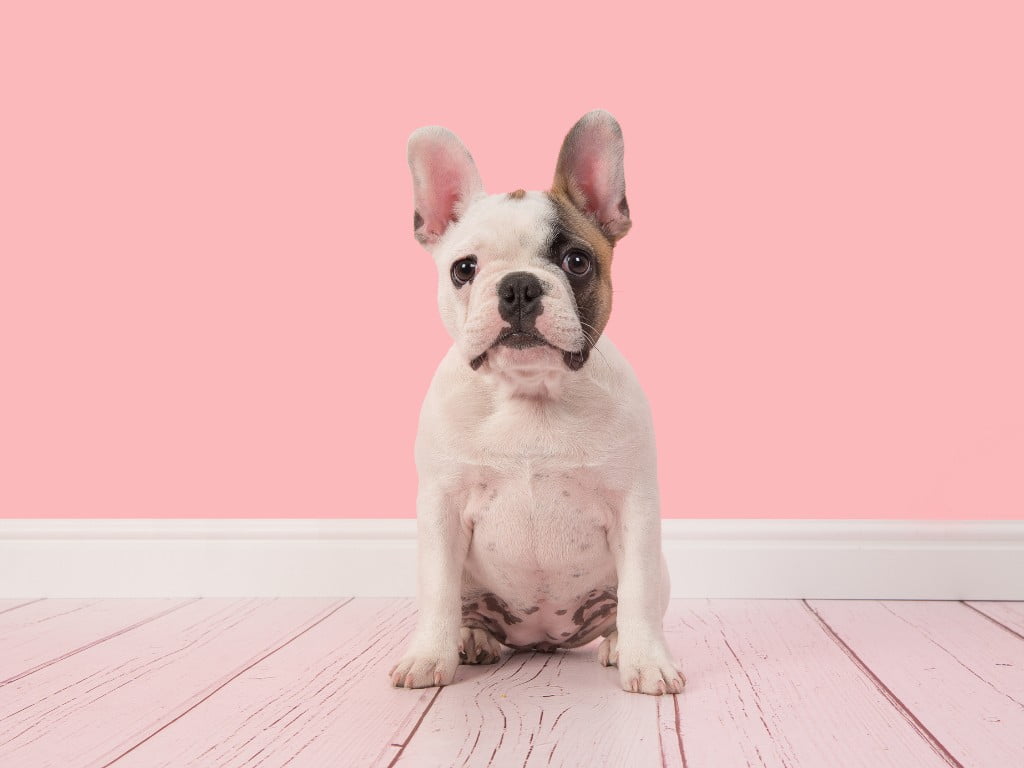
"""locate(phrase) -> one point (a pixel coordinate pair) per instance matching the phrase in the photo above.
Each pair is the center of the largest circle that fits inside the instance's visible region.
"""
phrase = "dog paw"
(651, 672)
(478, 646)
(424, 670)
(608, 651)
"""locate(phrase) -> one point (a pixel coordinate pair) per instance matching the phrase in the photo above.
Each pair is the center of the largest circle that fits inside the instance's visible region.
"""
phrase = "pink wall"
(823, 290)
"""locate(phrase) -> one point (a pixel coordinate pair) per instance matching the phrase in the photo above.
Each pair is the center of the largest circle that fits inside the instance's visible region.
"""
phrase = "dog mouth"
(517, 339)
(514, 338)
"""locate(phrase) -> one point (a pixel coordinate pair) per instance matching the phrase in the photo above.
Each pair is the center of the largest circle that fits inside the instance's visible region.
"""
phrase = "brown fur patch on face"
(517, 194)
(593, 295)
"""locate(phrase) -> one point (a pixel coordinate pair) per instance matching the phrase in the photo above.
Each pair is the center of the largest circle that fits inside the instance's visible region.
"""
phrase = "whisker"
(593, 342)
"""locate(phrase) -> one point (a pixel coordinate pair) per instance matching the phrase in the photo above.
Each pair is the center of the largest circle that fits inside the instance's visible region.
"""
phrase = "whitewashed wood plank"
(670, 732)
(560, 709)
(322, 700)
(960, 674)
(1010, 615)
(12, 605)
(768, 687)
(49, 631)
(90, 708)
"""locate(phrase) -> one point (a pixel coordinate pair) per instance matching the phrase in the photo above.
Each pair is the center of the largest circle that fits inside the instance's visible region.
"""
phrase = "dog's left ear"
(444, 181)
(590, 172)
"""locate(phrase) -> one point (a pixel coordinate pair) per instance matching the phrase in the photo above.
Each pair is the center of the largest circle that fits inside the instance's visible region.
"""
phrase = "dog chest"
(539, 503)
(541, 528)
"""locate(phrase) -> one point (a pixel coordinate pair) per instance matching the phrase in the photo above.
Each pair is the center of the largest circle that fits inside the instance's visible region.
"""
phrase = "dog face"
(524, 278)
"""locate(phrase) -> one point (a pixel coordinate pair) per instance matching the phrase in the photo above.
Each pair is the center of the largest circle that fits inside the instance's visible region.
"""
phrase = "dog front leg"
(645, 665)
(443, 541)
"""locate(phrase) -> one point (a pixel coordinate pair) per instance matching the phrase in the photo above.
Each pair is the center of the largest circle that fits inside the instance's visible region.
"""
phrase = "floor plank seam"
(821, 683)
(231, 679)
(22, 605)
(94, 643)
(993, 619)
(416, 727)
(679, 731)
(925, 634)
(891, 697)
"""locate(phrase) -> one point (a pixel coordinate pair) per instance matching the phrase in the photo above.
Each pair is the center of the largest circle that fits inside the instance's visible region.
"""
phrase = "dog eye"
(463, 271)
(576, 263)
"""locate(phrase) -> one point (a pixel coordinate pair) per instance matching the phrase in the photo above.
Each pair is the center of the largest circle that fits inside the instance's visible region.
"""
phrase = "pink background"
(212, 305)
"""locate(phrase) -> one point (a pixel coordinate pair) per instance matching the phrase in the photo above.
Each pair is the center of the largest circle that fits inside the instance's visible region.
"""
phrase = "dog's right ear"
(444, 181)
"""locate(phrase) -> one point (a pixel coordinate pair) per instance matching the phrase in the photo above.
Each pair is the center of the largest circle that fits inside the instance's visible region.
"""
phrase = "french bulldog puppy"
(538, 516)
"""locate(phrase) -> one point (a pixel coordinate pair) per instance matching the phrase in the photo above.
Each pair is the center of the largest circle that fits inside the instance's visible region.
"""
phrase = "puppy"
(539, 524)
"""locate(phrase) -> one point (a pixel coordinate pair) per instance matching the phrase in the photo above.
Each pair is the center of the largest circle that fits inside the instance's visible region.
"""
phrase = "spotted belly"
(544, 626)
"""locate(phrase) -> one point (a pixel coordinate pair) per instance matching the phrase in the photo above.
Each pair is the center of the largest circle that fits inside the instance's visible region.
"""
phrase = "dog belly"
(539, 573)
(544, 626)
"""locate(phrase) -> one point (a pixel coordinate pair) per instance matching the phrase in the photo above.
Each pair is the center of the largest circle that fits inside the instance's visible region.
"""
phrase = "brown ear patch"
(517, 194)
(594, 295)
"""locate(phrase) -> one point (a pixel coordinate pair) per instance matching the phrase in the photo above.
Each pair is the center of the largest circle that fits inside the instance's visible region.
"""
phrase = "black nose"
(519, 296)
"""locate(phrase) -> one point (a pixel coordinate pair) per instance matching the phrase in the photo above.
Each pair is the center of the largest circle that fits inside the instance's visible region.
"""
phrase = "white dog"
(539, 521)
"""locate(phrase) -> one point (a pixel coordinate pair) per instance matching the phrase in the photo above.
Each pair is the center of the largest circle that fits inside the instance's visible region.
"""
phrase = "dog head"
(524, 278)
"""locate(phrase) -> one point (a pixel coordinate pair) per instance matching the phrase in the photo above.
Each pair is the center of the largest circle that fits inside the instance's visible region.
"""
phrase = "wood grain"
(322, 700)
(1010, 615)
(12, 605)
(670, 742)
(44, 632)
(92, 707)
(537, 709)
(960, 674)
(768, 687)
(302, 683)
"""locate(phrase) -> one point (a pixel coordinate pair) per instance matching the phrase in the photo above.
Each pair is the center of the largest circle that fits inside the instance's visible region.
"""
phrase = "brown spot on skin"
(589, 631)
(517, 194)
(605, 610)
(566, 494)
(595, 600)
(594, 616)
(499, 606)
(475, 619)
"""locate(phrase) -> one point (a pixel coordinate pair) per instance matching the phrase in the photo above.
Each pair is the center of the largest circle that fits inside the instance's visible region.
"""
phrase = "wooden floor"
(825, 684)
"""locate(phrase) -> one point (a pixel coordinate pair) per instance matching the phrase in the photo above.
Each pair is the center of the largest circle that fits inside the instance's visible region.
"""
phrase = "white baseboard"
(373, 558)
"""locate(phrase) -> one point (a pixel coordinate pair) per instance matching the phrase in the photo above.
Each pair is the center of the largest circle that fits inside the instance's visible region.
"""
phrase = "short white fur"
(538, 483)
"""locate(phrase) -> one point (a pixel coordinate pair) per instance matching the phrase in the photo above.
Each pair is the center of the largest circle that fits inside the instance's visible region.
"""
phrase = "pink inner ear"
(443, 188)
(592, 175)
(592, 161)
(445, 180)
